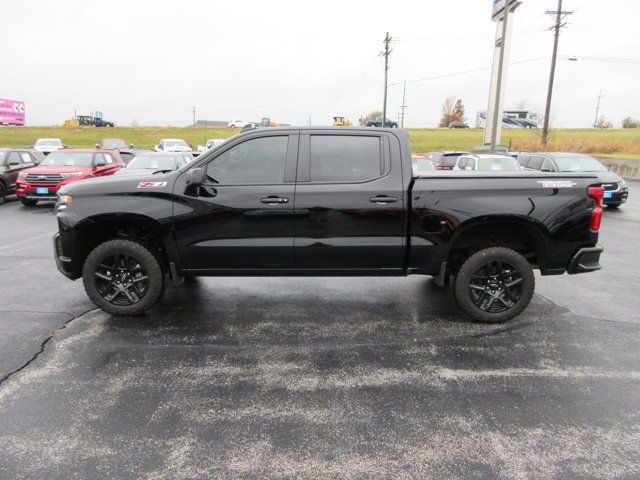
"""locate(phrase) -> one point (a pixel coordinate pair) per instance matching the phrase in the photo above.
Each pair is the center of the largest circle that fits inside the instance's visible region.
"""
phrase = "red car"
(62, 167)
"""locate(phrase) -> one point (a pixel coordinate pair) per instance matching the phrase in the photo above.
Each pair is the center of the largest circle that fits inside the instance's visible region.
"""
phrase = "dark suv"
(378, 123)
(12, 162)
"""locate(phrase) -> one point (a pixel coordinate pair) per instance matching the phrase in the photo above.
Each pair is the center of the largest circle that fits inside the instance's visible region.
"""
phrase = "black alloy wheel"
(121, 279)
(495, 287)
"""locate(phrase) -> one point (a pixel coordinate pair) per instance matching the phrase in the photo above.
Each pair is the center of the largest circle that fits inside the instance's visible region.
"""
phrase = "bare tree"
(446, 116)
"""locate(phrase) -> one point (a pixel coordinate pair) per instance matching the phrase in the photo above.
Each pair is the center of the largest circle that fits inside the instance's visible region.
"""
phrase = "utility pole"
(403, 106)
(560, 16)
(595, 122)
(386, 53)
(193, 109)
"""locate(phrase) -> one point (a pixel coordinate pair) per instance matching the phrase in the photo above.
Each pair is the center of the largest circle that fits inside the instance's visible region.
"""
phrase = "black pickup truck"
(326, 201)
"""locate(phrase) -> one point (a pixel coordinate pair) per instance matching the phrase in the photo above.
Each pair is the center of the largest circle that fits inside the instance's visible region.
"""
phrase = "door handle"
(382, 199)
(273, 200)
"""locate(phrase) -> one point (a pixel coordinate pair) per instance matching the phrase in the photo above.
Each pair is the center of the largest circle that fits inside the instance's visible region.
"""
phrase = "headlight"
(71, 174)
(23, 174)
(622, 183)
(64, 201)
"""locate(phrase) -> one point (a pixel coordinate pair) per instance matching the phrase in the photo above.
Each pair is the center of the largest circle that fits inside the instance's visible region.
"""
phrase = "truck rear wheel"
(123, 277)
(494, 285)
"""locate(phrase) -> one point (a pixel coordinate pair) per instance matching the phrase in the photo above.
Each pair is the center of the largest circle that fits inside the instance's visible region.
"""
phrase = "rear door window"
(345, 158)
(26, 158)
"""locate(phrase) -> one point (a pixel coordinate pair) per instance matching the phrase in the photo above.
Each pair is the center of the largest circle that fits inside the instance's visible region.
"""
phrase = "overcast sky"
(151, 61)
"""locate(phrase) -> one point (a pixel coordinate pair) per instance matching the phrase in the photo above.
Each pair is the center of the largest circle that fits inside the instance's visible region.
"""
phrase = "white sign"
(498, 8)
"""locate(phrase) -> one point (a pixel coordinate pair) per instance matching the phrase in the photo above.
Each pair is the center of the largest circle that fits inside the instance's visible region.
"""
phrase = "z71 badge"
(557, 183)
(152, 184)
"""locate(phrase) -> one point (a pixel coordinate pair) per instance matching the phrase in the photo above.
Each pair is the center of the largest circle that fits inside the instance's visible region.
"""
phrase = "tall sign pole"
(502, 13)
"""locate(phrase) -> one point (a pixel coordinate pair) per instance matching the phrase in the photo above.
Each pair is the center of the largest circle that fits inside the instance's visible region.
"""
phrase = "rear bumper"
(585, 260)
(63, 263)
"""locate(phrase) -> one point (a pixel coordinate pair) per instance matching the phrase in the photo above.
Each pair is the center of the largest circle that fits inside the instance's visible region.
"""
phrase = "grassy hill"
(603, 142)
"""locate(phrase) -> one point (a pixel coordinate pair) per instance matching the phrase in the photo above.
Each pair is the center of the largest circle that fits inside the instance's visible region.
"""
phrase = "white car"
(173, 145)
(212, 142)
(238, 123)
(487, 163)
(48, 145)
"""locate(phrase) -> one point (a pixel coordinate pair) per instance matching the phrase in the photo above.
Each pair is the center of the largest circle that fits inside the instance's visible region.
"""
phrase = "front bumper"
(63, 263)
(29, 191)
(617, 197)
(585, 260)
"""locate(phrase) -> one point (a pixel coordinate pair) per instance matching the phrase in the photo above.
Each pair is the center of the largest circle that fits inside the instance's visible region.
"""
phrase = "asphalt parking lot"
(318, 377)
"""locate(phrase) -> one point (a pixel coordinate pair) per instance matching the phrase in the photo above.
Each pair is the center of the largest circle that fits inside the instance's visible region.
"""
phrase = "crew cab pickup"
(326, 201)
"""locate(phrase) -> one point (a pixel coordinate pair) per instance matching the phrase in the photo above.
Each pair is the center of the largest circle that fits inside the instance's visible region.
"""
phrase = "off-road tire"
(149, 264)
(480, 261)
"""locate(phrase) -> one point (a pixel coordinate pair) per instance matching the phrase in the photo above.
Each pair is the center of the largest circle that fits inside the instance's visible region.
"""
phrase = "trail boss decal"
(152, 184)
(557, 183)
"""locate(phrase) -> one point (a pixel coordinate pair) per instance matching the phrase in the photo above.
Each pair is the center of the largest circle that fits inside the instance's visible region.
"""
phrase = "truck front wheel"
(494, 285)
(123, 277)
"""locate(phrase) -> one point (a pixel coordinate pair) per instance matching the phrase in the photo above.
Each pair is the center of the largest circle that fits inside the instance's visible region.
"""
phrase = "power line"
(560, 16)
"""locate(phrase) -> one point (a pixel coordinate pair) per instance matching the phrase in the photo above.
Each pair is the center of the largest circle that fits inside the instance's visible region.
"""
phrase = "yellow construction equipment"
(341, 122)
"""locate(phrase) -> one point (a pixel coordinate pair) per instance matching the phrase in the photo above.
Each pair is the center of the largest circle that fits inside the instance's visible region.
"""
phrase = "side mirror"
(196, 176)
(97, 145)
(131, 145)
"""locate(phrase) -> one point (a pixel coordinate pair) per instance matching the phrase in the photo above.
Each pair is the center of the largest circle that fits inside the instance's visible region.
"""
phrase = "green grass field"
(620, 143)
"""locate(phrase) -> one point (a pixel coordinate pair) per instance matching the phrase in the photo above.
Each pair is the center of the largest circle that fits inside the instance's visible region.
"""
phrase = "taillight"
(597, 194)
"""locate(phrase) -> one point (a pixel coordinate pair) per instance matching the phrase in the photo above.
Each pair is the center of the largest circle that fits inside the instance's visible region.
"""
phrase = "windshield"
(68, 159)
(175, 143)
(48, 143)
(579, 164)
(498, 164)
(421, 165)
(114, 143)
(157, 162)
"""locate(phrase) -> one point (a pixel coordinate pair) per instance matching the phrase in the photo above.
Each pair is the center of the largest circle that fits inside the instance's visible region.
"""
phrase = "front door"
(350, 205)
(242, 217)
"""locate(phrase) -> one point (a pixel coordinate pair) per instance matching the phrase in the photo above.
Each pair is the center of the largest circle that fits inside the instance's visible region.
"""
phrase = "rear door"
(242, 218)
(349, 204)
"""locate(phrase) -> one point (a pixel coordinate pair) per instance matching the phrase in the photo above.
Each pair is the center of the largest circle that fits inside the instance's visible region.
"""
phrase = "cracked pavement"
(317, 377)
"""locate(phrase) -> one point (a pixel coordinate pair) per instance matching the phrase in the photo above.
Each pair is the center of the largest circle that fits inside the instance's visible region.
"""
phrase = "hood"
(137, 171)
(114, 184)
(608, 177)
(57, 169)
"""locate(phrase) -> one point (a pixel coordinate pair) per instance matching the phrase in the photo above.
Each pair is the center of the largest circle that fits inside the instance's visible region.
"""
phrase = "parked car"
(339, 205)
(156, 161)
(12, 162)
(114, 144)
(421, 164)
(526, 123)
(444, 160)
(511, 123)
(61, 168)
(173, 145)
(238, 124)
(616, 191)
(378, 123)
(487, 163)
(457, 124)
(48, 145)
(212, 142)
